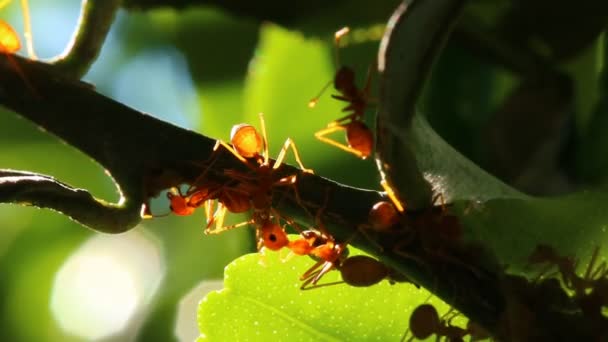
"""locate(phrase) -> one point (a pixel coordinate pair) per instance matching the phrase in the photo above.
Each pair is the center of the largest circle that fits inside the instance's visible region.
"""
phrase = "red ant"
(255, 190)
(358, 136)
(363, 271)
(383, 216)
(358, 270)
(9, 45)
(9, 40)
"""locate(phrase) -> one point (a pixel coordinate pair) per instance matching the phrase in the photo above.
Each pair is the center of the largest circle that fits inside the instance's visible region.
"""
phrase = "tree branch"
(96, 17)
(145, 155)
(43, 191)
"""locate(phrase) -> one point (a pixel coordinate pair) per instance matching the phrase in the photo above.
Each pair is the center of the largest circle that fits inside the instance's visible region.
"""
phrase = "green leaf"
(262, 300)
(285, 74)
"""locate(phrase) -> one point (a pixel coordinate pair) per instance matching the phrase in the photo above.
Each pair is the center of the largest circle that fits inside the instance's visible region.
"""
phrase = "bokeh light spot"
(106, 282)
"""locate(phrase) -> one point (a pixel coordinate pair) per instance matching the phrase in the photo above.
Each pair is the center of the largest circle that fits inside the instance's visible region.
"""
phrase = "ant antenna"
(312, 103)
(337, 37)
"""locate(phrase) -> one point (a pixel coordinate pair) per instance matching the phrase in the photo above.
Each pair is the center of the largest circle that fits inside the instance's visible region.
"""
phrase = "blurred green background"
(206, 70)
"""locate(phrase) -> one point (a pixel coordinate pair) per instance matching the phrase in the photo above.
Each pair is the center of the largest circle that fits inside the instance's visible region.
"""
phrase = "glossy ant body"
(9, 40)
(383, 215)
(357, 271)
(358, 136)
(254, 190)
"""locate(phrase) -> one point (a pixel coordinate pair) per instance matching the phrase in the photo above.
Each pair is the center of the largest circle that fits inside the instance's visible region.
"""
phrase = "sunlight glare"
(106, 282)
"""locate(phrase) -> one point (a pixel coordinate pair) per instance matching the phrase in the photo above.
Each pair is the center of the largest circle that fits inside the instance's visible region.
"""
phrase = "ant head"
(345, 79)
(246, 140)
(383, 216)
(424, 321)
(361, 270)
(179, 204)
(273, 236)
(9, 40)
(360, 138)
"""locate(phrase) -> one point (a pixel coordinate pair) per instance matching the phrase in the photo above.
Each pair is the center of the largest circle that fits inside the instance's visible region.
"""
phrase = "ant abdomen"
(362, 271)
(246, 140)
(360, 138)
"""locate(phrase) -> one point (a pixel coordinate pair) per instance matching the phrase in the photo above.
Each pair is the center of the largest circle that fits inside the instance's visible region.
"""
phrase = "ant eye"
(272, 238)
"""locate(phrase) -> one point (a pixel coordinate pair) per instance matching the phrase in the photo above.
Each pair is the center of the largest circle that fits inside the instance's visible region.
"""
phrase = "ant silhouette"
(425, 321)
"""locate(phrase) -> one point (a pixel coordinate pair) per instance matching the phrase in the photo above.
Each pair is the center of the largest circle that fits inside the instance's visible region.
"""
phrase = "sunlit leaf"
(262, 300)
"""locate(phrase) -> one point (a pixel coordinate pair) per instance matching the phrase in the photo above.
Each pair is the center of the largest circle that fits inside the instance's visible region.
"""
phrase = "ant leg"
(316, 286)
(441, 199)
(208, 207)
(591, 265)
(345, 119)
(321, 135)
(391, 194)
(327, 266)
(312, 271)
(231, 150)
(289, 143)
(265, 138)
(363, 229)
(344, 98)
(225, 228)
(337, 37)
(29, 41)
(201, 177)
(600, 272)
(368, 84)
(218, 217)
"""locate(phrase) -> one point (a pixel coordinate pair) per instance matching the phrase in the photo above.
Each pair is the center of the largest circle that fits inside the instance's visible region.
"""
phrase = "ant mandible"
(358, 136)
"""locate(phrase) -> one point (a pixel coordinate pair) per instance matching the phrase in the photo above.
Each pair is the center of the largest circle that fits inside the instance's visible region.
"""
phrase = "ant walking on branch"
(255, 189)
(358, 136)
